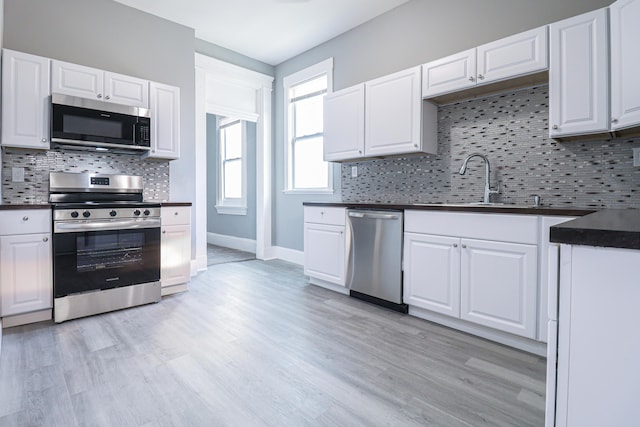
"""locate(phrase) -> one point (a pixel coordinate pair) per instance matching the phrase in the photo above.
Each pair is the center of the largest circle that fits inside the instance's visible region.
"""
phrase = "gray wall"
(114, 37)
(232, 57)
(414, 33)
(243, 226)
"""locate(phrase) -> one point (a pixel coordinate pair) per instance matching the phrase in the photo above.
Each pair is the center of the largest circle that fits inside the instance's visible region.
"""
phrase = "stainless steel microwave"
(98, 125)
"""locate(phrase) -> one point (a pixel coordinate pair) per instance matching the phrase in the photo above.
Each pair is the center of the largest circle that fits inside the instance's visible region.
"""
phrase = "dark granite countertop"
(175, 204)
(454, 207)
(17, 206)
(614, 228)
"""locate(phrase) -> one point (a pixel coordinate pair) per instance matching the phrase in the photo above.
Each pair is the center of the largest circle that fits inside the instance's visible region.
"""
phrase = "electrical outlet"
(636, 156)
(354, 171)
(17, 174)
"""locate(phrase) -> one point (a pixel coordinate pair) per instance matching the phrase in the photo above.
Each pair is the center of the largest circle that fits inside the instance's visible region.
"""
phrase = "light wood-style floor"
(253, 344)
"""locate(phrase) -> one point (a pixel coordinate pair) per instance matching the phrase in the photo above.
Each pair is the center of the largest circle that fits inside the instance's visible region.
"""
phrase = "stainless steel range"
(106, 244)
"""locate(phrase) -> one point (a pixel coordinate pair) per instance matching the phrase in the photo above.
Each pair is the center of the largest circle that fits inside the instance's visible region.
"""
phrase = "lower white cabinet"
(498, 285)
(325, 244)
(175, 249)
(26, 279)
(475, 275)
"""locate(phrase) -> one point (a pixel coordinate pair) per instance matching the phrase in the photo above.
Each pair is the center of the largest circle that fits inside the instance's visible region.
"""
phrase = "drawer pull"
(45, 239)
(164, 231)
(25, 218)
(175, 213)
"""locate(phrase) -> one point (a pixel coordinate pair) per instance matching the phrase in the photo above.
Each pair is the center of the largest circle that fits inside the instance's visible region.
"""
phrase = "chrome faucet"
(487, 171)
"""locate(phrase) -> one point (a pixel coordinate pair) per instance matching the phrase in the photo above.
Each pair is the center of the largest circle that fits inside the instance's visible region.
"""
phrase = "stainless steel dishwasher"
(375, 257)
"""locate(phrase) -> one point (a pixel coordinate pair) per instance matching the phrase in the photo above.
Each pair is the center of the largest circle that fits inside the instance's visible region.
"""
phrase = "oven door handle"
(108, 225)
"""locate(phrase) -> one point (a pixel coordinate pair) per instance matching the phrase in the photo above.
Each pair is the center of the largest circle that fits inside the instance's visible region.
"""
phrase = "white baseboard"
(238, 243)
(289, 255)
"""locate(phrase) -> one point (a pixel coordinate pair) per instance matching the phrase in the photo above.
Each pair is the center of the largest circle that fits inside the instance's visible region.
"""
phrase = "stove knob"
(86, 214)
(147, 212)
(136, 212)
(113, 213)
(74, 214)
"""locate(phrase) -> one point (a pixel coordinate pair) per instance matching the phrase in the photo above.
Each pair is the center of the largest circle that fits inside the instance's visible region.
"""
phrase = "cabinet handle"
(175, 213)
(359, 151)
(44, 139)
(45, 239)
(471, 79)
(321, 212)
(614, 120)
(415, 145)
(554, 127)
(107, 97)
(25, 218)
(464, 246)
(480, 77)
(164, 231)
(455, 245)
(99, 95)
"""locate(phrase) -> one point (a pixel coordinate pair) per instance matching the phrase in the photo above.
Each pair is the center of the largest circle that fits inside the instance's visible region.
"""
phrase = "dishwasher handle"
(373, 215)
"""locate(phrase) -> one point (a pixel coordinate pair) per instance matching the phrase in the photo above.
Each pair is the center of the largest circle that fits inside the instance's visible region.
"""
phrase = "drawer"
(180, 215)
(489, 226)
(25, 221)
(325, 215)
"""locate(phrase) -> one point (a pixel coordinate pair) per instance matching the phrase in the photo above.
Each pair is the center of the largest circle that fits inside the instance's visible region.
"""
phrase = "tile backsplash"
(511, 129)
(37, 164)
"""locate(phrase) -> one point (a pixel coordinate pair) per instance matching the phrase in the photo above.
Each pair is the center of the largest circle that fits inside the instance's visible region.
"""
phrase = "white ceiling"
(270, 31)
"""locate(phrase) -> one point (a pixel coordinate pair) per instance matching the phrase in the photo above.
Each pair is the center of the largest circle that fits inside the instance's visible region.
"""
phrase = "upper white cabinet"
(625, 64)
(25, 100)
(393, 108)
(579, 75)
(344, 124)
(381, 117)
(165, 121)
(507, 58)
(87, 82)
(325, 244)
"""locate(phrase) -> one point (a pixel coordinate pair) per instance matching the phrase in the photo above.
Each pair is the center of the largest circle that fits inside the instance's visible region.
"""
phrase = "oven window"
(109, 250)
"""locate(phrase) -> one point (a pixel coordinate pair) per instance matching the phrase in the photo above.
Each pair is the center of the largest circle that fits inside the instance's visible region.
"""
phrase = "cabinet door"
(513, 56)
(393, 110)
(449, 74)
(625, 64)
(25, 100)
(579, 75)
(324, 252)
(432, 273)
(165, 121)
(175, 251)
(344, 124)
(77, 80)
(26, 282)
(126, 90)
(499, 285)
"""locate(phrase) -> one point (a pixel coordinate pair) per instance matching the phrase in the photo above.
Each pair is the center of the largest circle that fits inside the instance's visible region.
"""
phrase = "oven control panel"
(79, 214)
(100, 180)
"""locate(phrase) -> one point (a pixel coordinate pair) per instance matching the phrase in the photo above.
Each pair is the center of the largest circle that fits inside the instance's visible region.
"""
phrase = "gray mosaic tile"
(512, 130)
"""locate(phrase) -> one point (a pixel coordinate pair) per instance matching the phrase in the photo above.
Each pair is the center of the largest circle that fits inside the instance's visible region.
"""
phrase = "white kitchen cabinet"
(625, 64)
(26, 278)
(498, 285)
(432, 273)
(579, 75)
(344, 124)
(175, 249)
(598, 343)
(394, 116)
(165, 121)
(25, 100)
(507, 58)
(481, 268)
(87, 82)
(325, 244)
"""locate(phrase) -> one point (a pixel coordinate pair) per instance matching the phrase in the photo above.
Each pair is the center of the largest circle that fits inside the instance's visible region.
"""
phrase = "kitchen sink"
(474, 204)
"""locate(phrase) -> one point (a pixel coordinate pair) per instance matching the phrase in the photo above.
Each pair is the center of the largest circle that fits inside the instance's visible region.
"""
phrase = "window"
(306, 171)
(232, 168)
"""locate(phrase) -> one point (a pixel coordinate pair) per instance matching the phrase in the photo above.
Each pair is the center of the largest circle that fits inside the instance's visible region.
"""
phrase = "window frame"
(231, 206)
(322, 68)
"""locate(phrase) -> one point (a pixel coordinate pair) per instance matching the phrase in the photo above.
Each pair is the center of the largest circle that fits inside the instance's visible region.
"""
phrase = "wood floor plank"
(252, 343)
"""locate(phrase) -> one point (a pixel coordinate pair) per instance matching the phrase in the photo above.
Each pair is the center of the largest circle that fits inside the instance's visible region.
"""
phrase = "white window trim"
(232, 206)
(324, 67)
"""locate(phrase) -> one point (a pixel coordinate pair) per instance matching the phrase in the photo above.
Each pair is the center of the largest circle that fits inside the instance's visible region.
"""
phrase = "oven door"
(104, 259)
